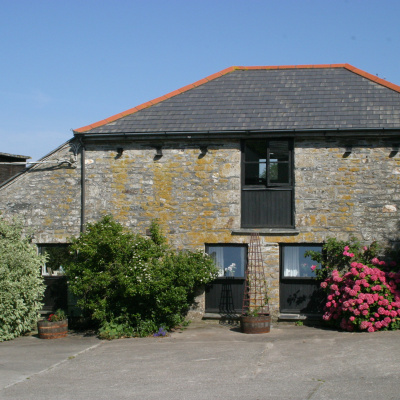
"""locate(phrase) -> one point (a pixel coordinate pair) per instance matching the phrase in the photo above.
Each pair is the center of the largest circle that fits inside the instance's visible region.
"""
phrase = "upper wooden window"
(267, 183)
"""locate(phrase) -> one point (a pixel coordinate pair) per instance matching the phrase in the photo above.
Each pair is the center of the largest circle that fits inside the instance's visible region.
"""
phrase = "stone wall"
(340, 196)
(47, 197)
(196, 197)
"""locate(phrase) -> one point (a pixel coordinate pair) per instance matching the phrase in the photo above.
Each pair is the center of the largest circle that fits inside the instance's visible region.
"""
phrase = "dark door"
(225, 294)
(55, 295)
(300, 296)
(299, 290)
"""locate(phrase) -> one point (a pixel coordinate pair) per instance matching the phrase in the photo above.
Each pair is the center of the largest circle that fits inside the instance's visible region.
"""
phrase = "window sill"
(266, 231)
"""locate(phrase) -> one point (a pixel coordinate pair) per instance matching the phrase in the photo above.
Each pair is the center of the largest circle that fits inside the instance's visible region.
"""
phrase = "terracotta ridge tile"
(373, 78)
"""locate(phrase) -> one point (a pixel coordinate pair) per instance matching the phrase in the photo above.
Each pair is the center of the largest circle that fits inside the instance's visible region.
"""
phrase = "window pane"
(55, 257)
(295, 264)
(278, 172)
(255, 150)
(279, 150)
(256, 174)
(230, 260)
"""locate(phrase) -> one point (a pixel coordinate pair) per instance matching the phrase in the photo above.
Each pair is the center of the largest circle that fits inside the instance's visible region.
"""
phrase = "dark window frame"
(270, 189)
(41, 250)
(282, 261)
(238, 245)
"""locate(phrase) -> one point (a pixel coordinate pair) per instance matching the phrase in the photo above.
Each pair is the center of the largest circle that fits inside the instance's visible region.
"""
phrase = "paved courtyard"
(206, 361)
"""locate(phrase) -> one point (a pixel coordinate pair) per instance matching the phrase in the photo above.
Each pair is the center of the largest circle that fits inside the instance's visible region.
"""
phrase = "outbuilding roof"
(310, 97)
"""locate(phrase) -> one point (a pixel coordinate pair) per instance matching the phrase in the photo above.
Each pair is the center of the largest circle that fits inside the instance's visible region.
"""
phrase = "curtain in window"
(217, 253)
(240, 266)
(291, 261)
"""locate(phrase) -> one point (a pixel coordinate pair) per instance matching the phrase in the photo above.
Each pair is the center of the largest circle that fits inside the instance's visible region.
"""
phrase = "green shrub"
(130, 284)
(21, 284)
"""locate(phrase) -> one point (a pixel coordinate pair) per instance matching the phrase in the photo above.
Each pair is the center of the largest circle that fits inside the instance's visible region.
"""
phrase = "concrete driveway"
(205, 361)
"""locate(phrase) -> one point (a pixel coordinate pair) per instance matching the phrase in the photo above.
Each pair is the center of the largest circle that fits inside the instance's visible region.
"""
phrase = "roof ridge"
(225, 71)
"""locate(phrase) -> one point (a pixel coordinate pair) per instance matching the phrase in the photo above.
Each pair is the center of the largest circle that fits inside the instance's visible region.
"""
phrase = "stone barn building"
(295, 153)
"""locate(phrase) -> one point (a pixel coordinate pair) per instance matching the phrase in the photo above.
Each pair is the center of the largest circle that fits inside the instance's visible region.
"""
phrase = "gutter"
(83, 186)
(241, 134)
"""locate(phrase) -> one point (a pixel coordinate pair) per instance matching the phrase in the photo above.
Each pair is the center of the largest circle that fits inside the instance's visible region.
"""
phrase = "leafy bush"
(21, 284)
(363, 292)
(132, 284)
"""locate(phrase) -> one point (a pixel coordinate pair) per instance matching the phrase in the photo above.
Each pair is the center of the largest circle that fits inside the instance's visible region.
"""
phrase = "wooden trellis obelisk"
(255, 298)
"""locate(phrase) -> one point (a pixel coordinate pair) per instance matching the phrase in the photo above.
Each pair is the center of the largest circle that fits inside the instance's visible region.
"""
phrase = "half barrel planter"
(52, 329)
(255, 324)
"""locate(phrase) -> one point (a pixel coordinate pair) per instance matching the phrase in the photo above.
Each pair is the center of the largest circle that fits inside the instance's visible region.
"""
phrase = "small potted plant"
(256, 320)
(54, 327)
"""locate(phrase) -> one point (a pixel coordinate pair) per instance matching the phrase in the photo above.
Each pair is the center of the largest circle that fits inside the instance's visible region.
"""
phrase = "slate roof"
(8, 155)
(267, 98)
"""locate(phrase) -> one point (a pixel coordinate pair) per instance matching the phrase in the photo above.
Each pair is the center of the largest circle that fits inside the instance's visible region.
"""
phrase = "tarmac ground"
(208, 360)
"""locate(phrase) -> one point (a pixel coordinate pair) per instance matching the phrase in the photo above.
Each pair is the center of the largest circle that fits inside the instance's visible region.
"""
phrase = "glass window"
(267, 162)
(55, 256)
(229, 259)
(295, 264)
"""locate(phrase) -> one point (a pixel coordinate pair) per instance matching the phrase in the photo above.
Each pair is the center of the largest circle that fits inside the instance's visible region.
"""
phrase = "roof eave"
(240, 134)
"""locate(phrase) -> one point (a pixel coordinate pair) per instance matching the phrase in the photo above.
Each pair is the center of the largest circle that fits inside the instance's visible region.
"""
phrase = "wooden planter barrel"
(52, 330)
(257, 324)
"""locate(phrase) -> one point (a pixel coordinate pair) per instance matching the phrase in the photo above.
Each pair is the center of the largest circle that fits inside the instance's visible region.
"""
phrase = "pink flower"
(346, 248)
(313, 267)
(375, 261)
(351, 255)
(352, 318)
(364, 325)
(324, 285)
(378, 325)
(365, 248)
(354, 271)
(371, 329)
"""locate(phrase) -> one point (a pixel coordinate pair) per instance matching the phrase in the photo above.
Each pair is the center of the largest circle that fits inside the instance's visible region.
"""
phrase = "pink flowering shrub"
(363, 294)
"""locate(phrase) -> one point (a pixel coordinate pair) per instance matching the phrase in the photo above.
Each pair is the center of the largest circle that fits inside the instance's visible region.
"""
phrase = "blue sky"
(66, 64)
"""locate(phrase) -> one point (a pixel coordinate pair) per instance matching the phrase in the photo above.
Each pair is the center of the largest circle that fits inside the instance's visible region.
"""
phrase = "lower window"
(299, 290)
(56, 253)
(229, 259)
(295, 263)
(225, 294)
